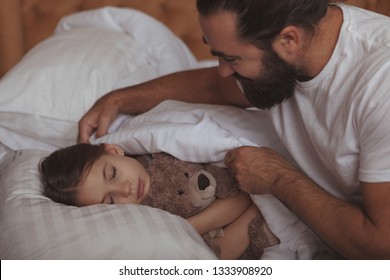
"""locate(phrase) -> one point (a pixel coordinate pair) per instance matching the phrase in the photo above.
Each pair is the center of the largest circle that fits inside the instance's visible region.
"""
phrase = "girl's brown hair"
(63, 170)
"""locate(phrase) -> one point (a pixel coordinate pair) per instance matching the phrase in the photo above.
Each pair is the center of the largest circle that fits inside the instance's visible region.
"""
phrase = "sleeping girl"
(86, 174)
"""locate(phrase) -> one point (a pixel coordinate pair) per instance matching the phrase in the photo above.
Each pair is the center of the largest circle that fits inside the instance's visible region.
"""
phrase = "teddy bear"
(185, 188)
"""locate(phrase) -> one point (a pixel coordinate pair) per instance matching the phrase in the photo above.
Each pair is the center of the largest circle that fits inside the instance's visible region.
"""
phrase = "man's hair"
(260, 21)
(63, 170)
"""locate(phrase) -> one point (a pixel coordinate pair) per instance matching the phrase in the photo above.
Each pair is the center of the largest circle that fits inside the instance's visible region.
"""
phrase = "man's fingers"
(103, 125)
(229, 158)
(85, 132)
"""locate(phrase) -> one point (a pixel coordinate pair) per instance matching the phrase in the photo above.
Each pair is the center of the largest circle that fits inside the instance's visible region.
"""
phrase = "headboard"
(24, 23)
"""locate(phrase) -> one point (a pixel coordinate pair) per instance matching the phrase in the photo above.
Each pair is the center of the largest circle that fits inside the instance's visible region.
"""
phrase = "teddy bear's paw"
(261, 237)
(260, 234)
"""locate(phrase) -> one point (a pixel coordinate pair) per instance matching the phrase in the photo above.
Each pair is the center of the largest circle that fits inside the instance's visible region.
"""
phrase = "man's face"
(265, 78)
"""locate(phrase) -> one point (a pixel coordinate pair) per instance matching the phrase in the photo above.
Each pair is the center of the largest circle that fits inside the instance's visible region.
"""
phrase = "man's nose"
(224, 68)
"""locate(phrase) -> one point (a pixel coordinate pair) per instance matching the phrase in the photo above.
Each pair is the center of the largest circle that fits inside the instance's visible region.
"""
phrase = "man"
(321, 71)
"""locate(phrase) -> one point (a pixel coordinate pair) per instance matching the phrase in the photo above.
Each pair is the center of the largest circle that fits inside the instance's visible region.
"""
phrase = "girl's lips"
(141, 187)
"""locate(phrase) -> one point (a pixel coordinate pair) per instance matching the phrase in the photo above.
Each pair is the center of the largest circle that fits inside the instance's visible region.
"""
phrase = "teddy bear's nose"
(203, 182)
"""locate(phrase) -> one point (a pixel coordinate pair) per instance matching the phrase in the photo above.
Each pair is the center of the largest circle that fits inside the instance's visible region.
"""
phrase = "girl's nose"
(124, 189)
(224, 68)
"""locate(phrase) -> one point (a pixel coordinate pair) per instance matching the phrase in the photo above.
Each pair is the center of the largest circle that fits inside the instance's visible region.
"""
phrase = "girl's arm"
(220, 213)
(236, 239)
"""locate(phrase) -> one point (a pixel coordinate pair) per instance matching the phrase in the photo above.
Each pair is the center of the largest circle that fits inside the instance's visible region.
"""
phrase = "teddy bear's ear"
(227, 186)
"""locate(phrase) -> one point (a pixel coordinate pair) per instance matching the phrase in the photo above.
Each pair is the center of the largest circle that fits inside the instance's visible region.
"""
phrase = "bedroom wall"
(24, 23)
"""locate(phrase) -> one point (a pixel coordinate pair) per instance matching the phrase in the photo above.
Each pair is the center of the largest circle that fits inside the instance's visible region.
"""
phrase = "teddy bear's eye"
(187, 175)
(180, 192)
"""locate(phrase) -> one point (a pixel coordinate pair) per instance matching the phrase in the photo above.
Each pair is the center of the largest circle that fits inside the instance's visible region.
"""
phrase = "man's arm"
(196, 86)
(353, 231)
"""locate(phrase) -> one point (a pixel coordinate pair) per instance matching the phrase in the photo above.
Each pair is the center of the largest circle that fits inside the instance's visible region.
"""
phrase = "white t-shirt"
(337, 125)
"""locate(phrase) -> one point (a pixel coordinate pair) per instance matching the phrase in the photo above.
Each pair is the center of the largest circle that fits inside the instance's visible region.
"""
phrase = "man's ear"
(289, 41)
(113, 149)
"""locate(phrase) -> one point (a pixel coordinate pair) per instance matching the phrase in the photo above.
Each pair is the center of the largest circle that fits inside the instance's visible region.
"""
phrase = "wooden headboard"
(24, 23)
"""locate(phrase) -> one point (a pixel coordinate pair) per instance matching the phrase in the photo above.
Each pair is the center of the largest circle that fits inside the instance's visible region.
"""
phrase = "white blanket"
(192, 132)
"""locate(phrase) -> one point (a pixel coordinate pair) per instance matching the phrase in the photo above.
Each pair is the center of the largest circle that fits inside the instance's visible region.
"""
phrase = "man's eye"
(229, 59)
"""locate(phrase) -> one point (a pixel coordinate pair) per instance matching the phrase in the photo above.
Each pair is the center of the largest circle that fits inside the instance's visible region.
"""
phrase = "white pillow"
(65, 74)
(91, 54)
(166, 53)
(34, 227)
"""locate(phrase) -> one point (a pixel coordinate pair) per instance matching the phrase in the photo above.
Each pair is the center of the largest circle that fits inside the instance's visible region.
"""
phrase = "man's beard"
(275, 85)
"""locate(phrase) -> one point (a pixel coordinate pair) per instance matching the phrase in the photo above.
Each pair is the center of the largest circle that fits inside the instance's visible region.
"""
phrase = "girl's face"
(114, 179)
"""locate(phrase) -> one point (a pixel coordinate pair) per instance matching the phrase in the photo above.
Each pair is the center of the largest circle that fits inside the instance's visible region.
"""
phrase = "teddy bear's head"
(201, 188)
(179, 187)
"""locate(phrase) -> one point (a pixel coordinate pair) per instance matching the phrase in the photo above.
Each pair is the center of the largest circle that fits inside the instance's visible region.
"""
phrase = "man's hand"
(257, 169)
(98, 118)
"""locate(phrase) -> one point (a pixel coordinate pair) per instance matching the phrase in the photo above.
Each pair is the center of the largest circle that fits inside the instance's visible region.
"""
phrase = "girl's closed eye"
(114, 173)
(230, 59)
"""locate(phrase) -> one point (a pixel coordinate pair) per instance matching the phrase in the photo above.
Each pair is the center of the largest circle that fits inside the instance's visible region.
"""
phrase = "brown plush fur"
(184, 188)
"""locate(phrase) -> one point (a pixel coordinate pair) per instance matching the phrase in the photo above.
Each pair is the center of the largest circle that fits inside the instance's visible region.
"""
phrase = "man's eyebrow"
(221, 54)
(217, 53)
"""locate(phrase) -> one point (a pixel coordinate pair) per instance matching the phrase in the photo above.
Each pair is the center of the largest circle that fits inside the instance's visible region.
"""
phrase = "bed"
(57, 59)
